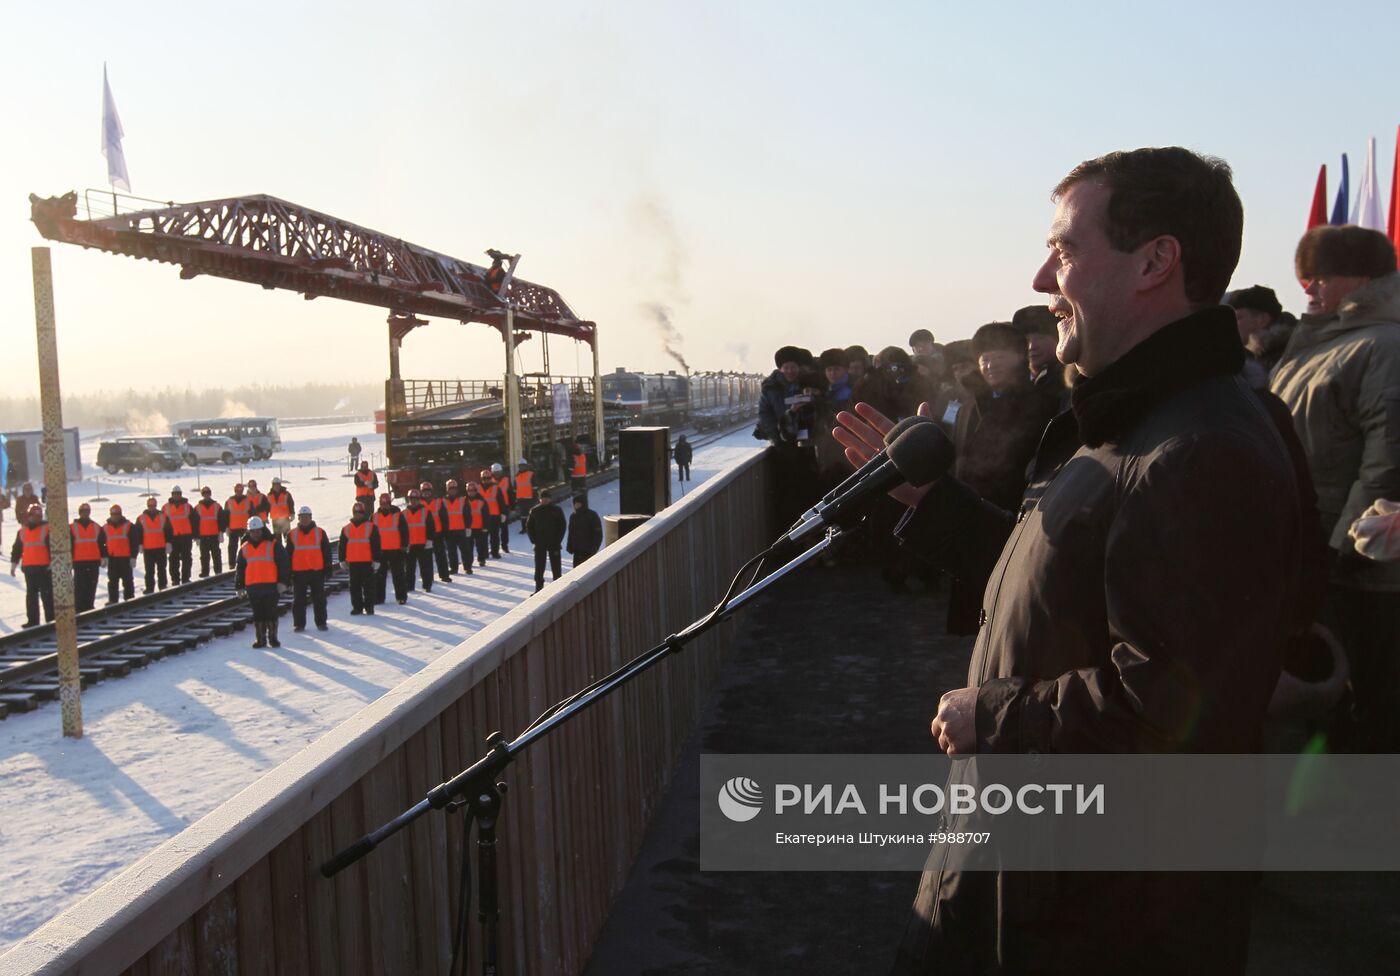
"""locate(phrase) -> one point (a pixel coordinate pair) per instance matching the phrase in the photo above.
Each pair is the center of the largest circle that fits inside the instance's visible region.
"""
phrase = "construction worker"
(153, 538)
(439, 512)
(280, 507)
(422, 538)
(261, 575)
(495, 510)
(359, 554)
(393, 544)
(311, 565)
(366, 484)
(31, 551)
(238, 509)
(524, 490)
(179, 519)
(210, 523)
(85, 535)
(476, 521)
(119, 544)
(257, 500)
(458, 533)
(578, 474)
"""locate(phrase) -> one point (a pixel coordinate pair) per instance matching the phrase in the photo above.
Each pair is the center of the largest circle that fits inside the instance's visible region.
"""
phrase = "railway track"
(113, 641)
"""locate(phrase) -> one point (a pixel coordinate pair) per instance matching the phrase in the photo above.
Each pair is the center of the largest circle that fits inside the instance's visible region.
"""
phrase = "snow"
(169, 743)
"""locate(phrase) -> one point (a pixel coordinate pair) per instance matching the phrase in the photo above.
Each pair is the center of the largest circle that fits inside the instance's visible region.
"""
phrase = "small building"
(21, 459)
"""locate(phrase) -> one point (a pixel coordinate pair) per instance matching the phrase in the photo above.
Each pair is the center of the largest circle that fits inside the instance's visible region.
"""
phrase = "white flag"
(112, 138)
(1367, 211)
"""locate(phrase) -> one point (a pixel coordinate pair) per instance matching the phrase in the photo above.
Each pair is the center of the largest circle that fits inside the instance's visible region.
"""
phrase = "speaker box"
(644, 470)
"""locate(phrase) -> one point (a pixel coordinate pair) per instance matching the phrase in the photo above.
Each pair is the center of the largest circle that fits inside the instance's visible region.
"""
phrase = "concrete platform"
(833, 661)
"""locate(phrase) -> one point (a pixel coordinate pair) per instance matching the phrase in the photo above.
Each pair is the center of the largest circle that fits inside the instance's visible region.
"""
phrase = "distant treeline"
(150, 412)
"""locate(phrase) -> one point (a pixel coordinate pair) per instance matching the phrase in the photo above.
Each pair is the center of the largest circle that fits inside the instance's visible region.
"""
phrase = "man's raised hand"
(863, 437)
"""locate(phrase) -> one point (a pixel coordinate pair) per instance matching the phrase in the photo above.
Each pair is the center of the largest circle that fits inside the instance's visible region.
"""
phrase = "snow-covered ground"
(167, 744)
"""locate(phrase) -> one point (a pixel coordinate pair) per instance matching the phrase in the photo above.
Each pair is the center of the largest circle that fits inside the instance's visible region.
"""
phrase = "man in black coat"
(585, 531)
(1137, 598)
(545, 527)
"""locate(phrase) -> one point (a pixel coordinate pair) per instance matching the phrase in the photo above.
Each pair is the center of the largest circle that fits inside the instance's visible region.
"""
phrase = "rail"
(238, 891)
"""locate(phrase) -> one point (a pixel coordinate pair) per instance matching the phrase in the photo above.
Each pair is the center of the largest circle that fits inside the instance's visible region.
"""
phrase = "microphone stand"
(476, 789)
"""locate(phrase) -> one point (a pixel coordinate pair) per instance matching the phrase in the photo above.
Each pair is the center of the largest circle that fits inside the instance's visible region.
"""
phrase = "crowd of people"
(273, 545)
(1161, 494)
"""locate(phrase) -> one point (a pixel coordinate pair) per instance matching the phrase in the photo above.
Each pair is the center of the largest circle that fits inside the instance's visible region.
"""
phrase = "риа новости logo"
(740, 799)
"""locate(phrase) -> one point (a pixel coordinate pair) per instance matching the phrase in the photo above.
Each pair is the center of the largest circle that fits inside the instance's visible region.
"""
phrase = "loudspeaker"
(644, 470)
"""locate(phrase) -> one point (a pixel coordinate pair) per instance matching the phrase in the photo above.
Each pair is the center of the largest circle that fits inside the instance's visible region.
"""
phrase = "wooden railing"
(239, 890)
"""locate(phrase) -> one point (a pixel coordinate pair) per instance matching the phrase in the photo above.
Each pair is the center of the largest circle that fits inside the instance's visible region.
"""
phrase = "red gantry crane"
(276, 244)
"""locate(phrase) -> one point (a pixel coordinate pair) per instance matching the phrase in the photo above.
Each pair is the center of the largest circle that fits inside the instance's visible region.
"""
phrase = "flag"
(1318, 214)
(1367, 211)
(1393, 224)
(112, 138)
(1339, 209)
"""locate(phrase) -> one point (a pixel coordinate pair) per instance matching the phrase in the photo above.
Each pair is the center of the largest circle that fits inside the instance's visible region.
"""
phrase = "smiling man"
(1136, 599)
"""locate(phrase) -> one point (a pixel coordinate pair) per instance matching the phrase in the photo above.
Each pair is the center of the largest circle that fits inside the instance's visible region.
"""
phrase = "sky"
(771, 172)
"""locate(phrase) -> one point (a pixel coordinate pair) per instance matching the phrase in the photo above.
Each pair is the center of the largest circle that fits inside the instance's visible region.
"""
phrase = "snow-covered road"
(169, 743)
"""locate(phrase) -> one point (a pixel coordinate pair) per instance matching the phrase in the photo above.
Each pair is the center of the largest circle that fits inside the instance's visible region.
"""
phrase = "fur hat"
(1035, 320)
(1256, 297)
(833, 357)
(1348, 250)
(790, 354)
(998, 335)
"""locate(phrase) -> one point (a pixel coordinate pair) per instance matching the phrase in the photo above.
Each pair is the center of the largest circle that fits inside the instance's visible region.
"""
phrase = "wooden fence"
(239, 891)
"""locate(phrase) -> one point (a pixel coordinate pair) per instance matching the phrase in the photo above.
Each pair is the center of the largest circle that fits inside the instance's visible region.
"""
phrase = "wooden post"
(56, 480)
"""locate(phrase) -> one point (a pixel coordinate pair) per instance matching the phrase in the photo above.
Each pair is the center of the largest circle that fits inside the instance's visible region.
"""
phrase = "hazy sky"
(774, 172)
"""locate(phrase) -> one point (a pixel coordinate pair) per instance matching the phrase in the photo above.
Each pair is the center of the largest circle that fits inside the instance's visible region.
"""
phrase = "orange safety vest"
(525, 484)
(364, 484)
(152, 530)
(478, 505)
(388, 526)
(209, 519)
(118, 539)
(281, 507)
(439, 511)
(85, 542)
(239, 508)
(580, 465)
(36, 545)
(179, 516)
(259, 564)
(456, 513)
(493, 503)
(255, 500)
(357, 544)
(306, 549)
(417, 526)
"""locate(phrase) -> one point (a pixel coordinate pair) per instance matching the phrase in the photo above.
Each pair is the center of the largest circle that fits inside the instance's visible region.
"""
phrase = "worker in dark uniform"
(210, 523)
(359, 555)
(524, 490)
(311, 565)
(458, 535)
(85, 534)
(439, 520)
(179, 520)
(353, 450)
(683, 454)
(545, 528)
(495, 510)
(585, 532)
(393, 544)
(119, 542)
(476, 522)
(261, 575)
(578, 472)
(154, 540)
(31, 551)
(421, 540)
(238, 509)
(366, 484)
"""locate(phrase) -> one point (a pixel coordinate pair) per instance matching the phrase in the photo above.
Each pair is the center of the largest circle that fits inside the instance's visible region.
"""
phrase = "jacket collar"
(1201, 345)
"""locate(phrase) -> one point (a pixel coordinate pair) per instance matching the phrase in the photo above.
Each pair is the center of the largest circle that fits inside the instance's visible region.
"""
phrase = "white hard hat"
(304, 510)
(255, 523)
(523, 463)
(496, 468)
(276, 481)
(176, 490)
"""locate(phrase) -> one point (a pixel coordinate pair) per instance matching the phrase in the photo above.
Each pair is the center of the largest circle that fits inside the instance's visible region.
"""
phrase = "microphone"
(867, 467)
(921, 453)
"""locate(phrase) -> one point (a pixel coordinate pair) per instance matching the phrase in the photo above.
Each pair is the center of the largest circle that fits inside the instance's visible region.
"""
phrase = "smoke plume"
(670, 335)
(235, 408)
(146, 422)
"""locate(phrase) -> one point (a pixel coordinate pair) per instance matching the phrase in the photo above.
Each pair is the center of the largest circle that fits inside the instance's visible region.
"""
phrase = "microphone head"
(904, 425)
(922, 453)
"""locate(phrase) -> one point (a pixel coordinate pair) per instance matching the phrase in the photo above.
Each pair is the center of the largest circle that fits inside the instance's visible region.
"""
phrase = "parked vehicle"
(210, 450)
(260, 434)
(134, 454)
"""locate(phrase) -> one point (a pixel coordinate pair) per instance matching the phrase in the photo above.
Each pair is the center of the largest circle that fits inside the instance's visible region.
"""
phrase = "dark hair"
(856, 352)
(1350, 250)
(958, 351)
(998, 335)
(893, 356)
(920, 335)
(1174, 192)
